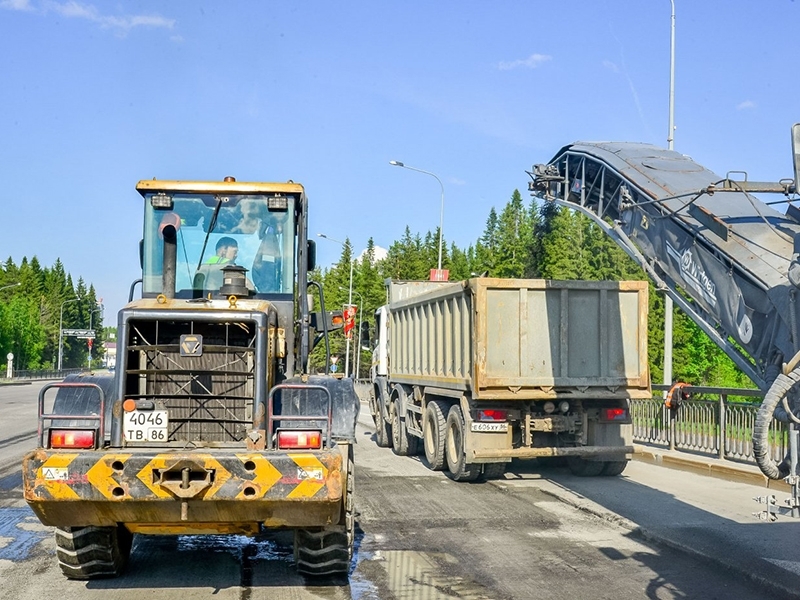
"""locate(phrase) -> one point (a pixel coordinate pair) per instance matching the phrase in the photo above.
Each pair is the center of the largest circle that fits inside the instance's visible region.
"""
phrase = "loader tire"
(612, 468)
(434, 429)
(585, 468)
(459, 470)
(93, 552)
(328, 552)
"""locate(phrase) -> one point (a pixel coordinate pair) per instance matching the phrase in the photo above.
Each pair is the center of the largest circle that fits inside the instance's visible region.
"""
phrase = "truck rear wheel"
(93, 552)
(383, 437)
(434, 429)
(493, 470)
(329, 551)
(402, 443)
(612, 468)
(585, 468)
(454, 448)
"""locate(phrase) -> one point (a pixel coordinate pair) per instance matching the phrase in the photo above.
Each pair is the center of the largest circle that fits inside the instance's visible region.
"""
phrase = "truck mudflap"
(192, 492)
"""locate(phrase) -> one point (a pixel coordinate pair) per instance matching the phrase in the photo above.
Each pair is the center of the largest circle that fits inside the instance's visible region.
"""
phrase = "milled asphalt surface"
(686, 512)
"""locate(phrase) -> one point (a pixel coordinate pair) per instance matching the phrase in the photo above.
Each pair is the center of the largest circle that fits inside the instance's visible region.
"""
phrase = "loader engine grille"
(202, 373)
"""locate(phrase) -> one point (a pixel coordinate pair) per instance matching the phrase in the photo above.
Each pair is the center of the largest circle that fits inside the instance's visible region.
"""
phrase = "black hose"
(777, 391)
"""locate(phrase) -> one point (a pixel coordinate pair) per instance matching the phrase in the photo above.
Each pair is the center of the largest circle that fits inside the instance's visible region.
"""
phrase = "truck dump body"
(533, 339)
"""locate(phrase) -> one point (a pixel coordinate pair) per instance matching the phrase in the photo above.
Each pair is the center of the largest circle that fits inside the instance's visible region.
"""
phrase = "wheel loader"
(211, 422)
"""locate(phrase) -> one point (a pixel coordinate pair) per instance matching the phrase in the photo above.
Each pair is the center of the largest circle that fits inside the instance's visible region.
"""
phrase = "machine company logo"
(191, 345)
(693, 274)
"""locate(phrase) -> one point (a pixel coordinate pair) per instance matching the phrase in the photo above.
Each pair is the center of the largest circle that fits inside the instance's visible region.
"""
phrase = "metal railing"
(45, 373)
(717, 427)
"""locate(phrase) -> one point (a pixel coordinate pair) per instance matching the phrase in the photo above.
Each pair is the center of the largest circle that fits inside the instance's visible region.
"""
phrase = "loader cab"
(215, 230)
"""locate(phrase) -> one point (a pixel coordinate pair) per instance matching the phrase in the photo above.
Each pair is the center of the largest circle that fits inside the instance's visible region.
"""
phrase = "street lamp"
(10, 285)
(397, 163)
(349, 301)
(61, 330)
(670, 139)
(357, 345)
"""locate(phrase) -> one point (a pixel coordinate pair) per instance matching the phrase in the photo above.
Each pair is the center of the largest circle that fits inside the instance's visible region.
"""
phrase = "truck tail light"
(615, 414)
(299, 439)
(492, 415)
(72, 438)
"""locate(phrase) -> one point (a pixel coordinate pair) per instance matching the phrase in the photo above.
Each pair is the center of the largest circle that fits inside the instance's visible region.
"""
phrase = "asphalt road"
(419, 536)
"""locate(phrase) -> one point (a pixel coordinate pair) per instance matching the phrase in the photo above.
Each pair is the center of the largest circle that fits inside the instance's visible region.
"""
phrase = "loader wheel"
(612, 468)
(93, 552)
(493, 471)
(585, 468)
(329, 551)
(433, 434)
(454, 448)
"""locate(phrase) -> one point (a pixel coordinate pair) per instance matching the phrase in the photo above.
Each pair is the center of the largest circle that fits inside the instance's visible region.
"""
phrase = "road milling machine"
(729, 260)
(211, 423)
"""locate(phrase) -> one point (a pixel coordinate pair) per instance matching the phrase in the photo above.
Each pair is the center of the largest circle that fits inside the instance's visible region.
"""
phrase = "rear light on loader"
(72, 438)
(299, 439)
(492, 415)
(615, 414)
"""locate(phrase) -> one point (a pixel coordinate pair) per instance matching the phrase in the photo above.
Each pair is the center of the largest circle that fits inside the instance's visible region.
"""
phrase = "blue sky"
(96, 96)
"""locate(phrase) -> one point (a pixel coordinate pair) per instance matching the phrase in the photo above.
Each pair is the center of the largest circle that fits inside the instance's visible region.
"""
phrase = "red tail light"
(299, 439)
(615, 414)
(71, 438)
(492, 415)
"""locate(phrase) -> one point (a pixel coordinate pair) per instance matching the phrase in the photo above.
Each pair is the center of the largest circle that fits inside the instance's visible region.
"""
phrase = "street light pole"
(61, 330)
(397, 163)
(349, 301)
(10, 285)
(668, 309)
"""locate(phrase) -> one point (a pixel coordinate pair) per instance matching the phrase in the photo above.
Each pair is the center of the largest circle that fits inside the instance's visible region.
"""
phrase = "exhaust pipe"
(168, 268)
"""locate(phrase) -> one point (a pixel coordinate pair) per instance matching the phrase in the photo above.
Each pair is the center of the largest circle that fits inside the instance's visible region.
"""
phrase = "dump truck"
(478, 372)
(211, 423)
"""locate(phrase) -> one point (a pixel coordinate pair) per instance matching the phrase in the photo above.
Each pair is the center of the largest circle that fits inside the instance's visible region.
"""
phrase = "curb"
(710, 468)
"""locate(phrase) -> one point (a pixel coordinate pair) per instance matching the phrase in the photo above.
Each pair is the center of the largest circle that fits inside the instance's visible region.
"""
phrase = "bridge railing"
(44, 373)
(709, 423)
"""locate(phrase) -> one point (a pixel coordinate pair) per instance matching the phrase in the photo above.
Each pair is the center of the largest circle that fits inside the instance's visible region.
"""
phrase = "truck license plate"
(145, 426)
(481, 426)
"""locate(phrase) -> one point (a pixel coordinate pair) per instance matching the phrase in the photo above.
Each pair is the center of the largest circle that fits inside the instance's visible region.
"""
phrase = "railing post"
(723, 401)
(672, 416)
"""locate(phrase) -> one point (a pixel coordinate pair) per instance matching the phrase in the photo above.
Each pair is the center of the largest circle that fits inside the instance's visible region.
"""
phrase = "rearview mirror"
(312, 255)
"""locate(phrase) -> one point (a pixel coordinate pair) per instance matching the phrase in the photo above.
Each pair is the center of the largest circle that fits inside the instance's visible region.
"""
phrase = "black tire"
(327, 552)
(493, 471)
(456, 457)
(612, 468)
(93, 552)
(383, 435)
(585, 468)
(434, 427)
(399, 436)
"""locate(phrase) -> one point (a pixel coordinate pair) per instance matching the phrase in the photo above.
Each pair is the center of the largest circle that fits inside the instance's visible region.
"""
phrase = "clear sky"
(97, 95)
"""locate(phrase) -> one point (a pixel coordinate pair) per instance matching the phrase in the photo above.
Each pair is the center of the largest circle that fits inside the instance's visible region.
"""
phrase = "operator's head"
(227, 248)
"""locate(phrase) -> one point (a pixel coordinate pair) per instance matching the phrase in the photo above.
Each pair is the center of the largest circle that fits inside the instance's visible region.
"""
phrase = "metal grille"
(209, 397)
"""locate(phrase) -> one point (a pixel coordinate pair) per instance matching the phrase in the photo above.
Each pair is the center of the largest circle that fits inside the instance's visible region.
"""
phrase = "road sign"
(80, 333)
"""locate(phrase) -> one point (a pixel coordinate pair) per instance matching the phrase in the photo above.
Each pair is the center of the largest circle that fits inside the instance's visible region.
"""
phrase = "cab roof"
(212, 187)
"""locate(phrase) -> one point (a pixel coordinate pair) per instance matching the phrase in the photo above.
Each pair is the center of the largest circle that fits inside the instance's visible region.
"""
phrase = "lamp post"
(357, 346)
(349, 301)
(670, 139)
(61, 330)
(397, 163)
(10, 285)
(98, 308)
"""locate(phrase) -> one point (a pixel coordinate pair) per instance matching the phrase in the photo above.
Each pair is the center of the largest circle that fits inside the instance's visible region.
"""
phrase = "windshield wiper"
(211, 226)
